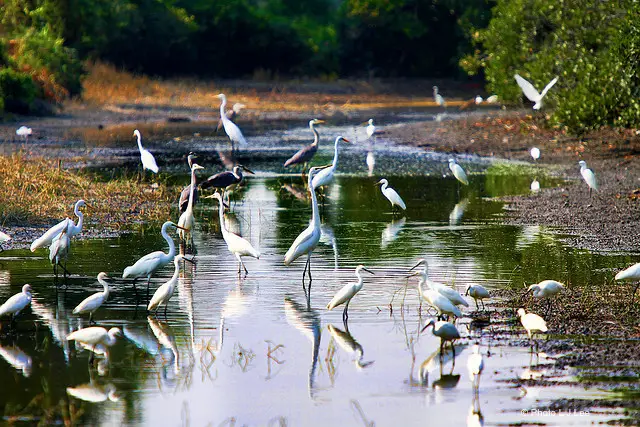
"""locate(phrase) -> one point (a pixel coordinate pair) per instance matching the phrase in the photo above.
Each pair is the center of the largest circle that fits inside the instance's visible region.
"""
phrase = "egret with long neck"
(232, 130)
(73, 229)
(93, 302)
(305, 154)
(187, 219)
(325, 176)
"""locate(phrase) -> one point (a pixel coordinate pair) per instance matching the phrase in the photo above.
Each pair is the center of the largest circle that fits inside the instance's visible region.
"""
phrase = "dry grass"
(34, 190)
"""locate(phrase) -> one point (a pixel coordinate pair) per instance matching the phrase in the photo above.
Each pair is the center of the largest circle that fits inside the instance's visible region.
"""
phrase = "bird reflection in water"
(57, 320)
(328, 238)
(17, 358)
(458, 211)
(436, 362)
(346, 342)
(391, 231)
(371, 161)
(475, 418)
(296, 190)
(166, 338)
(94, 393)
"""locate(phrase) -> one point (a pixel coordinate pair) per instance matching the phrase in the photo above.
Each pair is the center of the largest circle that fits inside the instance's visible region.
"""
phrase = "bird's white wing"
(233, 131)
(148, 161)
(51, 234)
(342, 296)
(548, 86)
(395, 198)
(145, 265)
(528, 89)
(89, 303)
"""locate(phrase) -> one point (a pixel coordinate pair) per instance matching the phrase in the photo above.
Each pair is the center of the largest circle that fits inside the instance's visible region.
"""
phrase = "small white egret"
(72, 228)
(475, 365)
(535, 186)
(391, 194)
(94, 393)
(535, 153)
(447, 292)
(148, 161)
(531, 322)
(371, 129)
(187, 221)
(232, 130)
(3, 238)
(588, 176)
(492, 99)
(325, 176)
(546, 289)
(531, 92)
(95, 301)
(446, 331)
(305, 154)
(237, 245)
(478, 99)
(438, 98)
(631, 274)
(434, 298)
(95, 338)
(458, 172)
(344, 295)
(24, 131)
(59, 251)
(183, 202)
(16, 303)
(477, 292)
(163, 294)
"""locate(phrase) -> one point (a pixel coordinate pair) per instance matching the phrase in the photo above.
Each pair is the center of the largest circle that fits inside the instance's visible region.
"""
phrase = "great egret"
(446, 331)
(150, 263)
(232, 130)
(458, 172)
(232, 113)
(391, 194)
(325, 176)
(475, 365)
(186, 191)
(226, 179)
(546, 289)
(163, 294)
(588, 176)
(447, 292)
(531, 92)
(535, 153)
(95, 301)
(187, 221)
(72, 228)
(25, 132)
(93, 393)
(532, 322)
(438, 98)
(95, 336)
(478, 100)
(59, 251)
(630, 274)
(305, 154)
(237, 245)
(344, 295)
(346, 342)
(148, 161)
(477, 292)
(434, 298)
(371, 129)
(3, 238)
(16, 303)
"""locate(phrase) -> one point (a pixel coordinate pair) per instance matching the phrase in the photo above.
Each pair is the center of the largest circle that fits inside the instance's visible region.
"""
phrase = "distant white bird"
(72, 228)
(59, 251)
(446, 331)
(532, 322)
(371, 129)
(3, 238)
(588, 176)
(438, 98)
(546, 289)
(344, 295)
(444, 290)
(492, 99)
(237, 245)
(631, 274)
(187, 220)
(95, 338)
(391, 194)
(475, 365)
(535, 186)
(232, 130)
(535, 153)
(163, 294)
(94, 393)
(434, 298)
(478, 99)
(325, 176)
(477, 292)
(148, 161)
(531, 92)
(25, 132)
(95, 301)
(458, 172)
(15, 304)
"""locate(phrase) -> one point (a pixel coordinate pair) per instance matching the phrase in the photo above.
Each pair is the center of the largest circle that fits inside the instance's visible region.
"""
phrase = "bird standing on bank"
(148, 161)
(588, 176)
(305, 154)
(344, 295)
(531, 92)
(546, 289)
(438, 98)
(25, 132)
(231, 129)
(532, 323)
(371, 129)
(16, 303)
(444, 290)
(477, 292)
(95, 301)
(631, 274)
(432, 297)
(391, 195)
(535, 153)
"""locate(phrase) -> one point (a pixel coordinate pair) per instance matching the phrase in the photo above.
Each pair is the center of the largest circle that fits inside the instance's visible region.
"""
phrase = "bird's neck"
(316, 136)
(315, 213)
(237, 173)
(192, 191)
(139, 143)
(221, 214)
(384, 186)
(172, 246)
(105, 291)
(335, 154)
(80, 216)
(223, 105)
(176, 273)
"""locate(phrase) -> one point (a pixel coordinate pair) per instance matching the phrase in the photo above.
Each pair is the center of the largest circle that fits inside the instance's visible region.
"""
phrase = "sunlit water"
(252, 350)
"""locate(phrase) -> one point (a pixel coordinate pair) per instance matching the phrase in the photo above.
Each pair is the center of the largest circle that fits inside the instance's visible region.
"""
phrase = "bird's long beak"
(182, 228)
(189, 260)
(415, 273)
(225, 205)
(368, 271)
(346, 140)
(323, 167)
(425, 327)
(248, 170)
(466, 292)
(320, 121)
(414, 267)
(88, 206)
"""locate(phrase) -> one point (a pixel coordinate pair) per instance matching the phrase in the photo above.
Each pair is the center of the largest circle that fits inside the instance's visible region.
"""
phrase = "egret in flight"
(73, 229)
(187, 221)
(237, 245)
(95, 301)
(325, 176)
(232, 130)
(371, 129)
(16, 303)
(344, 295)
(458, 172)
(391, 195)
(186, 191)
(148, 161)
(588, 176)
(446, 331)
(305, 154)
(477, 292)
(631, 274)
(531, 92)
(163, 294)
(95, 338)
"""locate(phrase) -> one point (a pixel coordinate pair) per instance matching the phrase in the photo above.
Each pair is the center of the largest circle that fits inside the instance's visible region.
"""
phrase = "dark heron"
(225, 179)
(186, 191)
(305, 154)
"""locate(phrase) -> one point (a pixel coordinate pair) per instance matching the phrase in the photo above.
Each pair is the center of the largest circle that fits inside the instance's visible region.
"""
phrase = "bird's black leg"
(165, 310)
(482, 301)
(477, 308)
(148, 282)
(309, 269)
(345, 315)
(91, 319)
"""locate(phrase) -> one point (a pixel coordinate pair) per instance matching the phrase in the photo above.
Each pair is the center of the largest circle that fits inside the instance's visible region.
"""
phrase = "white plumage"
(325, 176)
(588, 176)
(187, 219)
(93, 393)
(477, 292)
(391, 194)
(630, 274)
(492, 99)
(24, 131)
(163, 294)
(148, 161)
(475, 365)
(347, 292)
(231, 129)
(458, 172)
(438, 98)
(546, 289)
(72, 228)
(478, 99)
(93, 302)
(371, 129)
(95, 336)
(531, 92)
(59, 251)
(16, 303)
(451, 294)
(532, 322)
(535, 153)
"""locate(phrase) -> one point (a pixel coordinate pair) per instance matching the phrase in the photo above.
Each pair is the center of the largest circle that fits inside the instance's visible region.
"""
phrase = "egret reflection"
(94, 393)
(165, 336)
(17, 358)
(371, 162)
(328, 238)
(458, 211)
(58, 321)
(391, 231)
(347, 343)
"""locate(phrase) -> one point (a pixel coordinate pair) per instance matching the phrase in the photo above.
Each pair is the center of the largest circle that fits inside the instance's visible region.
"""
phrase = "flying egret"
(59, 251)
(588, 176)
(148, 161)
(478, 100)
(346, 341)
(475, 365)
(163, 294)
(186, 191)
(458, 172)
(630, 274)
(237, 245)
(95, 301)
(187, 221)
(477, 292)
(16, 303)
(95, 338)
(232, 130)
(447, 292)
(232, 113)
(371, 129)
(224, 180)
(446, 331)
(532, 322)
(535, 153)
(305, 154)
(531, 92)
(72, 228)
(344, 295)
(434, 298)
(94, 393)
(391, 194)
(3, 238)
(438, 98)
(150, 263)
(325, 176)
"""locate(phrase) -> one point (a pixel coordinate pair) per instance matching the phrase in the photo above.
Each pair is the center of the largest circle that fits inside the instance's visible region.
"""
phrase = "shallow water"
(253, 350)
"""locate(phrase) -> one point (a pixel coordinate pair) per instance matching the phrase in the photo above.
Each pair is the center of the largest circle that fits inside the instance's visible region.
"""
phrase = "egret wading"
(231, 129)
(391, 195)
(95, 338)
(532, 323)
(148, 161)
(531, 92)
(16, 303)
(458, 172)
(305, 154)
(225, 180)
(588, 176)
(95, 301)
(237, 245)
(187, 221)
(432, 297)
(59, 251)
(344, 295)
(371, 129)
(163, 294)
(446, 331)
(72, 228)
(232, 113)
(631, 274)
(186, 191)
(325, 175)
(444, 290)
(475, 365)
(477, 292)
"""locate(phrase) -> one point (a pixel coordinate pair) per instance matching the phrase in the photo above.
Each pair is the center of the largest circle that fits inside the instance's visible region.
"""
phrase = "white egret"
(371, 129)
(24, 131)
(492, 99)
(391, 194)
(535, 153)
(630, 274)
(94, 393)
(531, 92)
(163, 294)
(546, 289)
(232, 130)
(95, 338)
(446, 331)
(535, 186)
(588, 176)
(477, 292)
(346, 341)
(458, 172)
(475, 365)
(95, 301)
(148, 161)
(232, 113)
(344, 295)
(447, 292)
(532, 322)
(325, 176)
(3, 238)
(434, 298)
(438, 98)
(237, 245)
(478, 100)
(305, 154)
(187, 221)
(150, 263)
(186, 191)
(371, 162)
(73, 229)
(16, 303)
(59, 251)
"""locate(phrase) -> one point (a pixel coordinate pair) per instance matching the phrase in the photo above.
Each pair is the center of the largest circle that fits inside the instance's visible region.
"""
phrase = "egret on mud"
(237, 245)
(4, 237)
(458, 172)
(477, 292)
(371, 129)
(531, 92)
(475, 365)
(492, 99)
(546, 289)
(535, 186)
(59, 251)
(16, 303)
(438, 98)
(163, 294)
(186, 191)
(447, 292)
(325, 176)
(446, 331)
(95, 336)
(532, 322)
(187, 221)
(344, 295)
(588, 176)
(305, 154)
(391, 195)
(432, 297)
(232, 130)
(72, 228)
(95, 301)
(631, 274)
(148, 161)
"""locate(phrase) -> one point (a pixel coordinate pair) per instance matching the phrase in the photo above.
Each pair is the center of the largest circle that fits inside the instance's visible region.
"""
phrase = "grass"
(37, 190)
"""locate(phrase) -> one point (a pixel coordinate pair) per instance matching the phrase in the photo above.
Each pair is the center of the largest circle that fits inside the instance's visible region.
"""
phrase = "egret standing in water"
(16, 303)
(444, 290)
(458, 172)
(531, 92)
(588, 176)
(232, 113)
(95, 301)
(532, 323)
(371, 129)
(186, 191)
(432, 297)
(72, 228)
(232, 130)
(631, 274)
(237, 245)
(391, 195)
(475, 365)
(59, 251)
(148, 161)
(305, 154)
(477, 292)
(446, 331)
(163, 294)
(325, 176)
(349, 290)
(187, 221)
(95, 338)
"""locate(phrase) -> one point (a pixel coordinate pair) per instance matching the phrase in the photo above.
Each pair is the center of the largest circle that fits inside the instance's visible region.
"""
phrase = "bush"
(18, 91)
